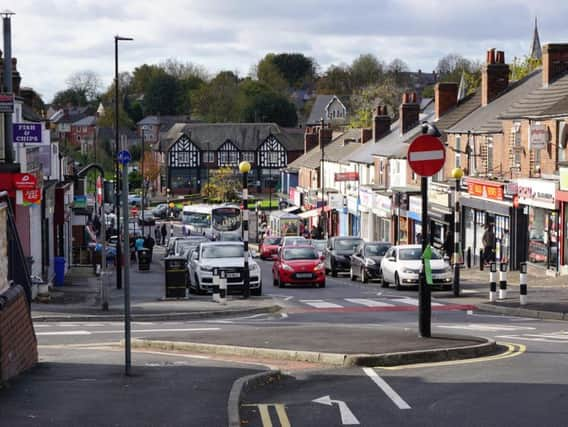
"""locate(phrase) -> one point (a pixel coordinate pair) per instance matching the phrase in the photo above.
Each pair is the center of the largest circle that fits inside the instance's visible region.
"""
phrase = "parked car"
(181, 246)
(319, 245)
(148, 218)
(136, 200)
(298, 265)
(226, 257)
(402, 265)
(160, 211)
(269, 247)
(366, 261)
(170, 245)
(294, 240)
(338, 254)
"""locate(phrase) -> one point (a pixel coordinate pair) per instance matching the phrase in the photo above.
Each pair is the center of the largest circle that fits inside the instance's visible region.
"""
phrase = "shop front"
(562, 198)
(381, 218)
(354, 220)
(441, 216)
(365, 206)
(488, 207)
(539, 199)
(406, 219)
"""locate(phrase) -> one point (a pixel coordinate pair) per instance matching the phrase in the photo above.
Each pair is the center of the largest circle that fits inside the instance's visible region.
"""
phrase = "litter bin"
(144, 258)
(59, 267)
(175, 277)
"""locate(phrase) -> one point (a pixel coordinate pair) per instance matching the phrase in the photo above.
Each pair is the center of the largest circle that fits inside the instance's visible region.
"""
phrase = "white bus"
(217, 222)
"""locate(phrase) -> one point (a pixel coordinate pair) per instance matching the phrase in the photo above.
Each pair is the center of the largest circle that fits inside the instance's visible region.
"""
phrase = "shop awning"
(313, 213)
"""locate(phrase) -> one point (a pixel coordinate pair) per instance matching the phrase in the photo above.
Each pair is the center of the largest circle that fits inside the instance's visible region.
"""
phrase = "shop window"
(538, 238)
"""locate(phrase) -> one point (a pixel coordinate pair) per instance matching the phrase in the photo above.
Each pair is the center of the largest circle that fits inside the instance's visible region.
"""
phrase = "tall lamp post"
(8, 86)
(143, 183)
(457, 174)
(323, 218)
(244, 168)
(117, 149)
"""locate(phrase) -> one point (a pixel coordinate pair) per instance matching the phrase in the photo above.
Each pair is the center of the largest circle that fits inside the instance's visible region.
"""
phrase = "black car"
(338, 254)
(366, 261)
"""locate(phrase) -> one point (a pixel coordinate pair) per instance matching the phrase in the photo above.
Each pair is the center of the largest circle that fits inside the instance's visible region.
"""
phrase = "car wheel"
(397, 282)
(333, 270)
(256, 292)
(384, 283)
(280, 283)
(351, 275)
(322, 284)
(364, 278)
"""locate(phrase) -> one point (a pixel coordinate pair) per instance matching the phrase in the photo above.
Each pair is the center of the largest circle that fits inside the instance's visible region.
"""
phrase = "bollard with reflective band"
(503, 280)
(223, 288)
(216, 282)
(492, 281)
(523, 284)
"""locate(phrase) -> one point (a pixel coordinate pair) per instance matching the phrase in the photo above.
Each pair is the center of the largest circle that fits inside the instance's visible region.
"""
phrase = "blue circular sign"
(124, 157)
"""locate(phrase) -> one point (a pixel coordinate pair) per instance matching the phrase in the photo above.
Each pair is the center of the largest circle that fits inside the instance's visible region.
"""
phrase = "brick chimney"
(310, 139)
(381, 122)
(494, 76)
(554, 62)
(445, 97)
(325, 136)
(409, 112)
(366, 134)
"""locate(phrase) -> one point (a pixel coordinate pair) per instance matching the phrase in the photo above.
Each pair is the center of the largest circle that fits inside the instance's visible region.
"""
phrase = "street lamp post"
(457, 174)
(143, 184)
(244, 168)
(117, 177)
(323, 218)
(8, 131)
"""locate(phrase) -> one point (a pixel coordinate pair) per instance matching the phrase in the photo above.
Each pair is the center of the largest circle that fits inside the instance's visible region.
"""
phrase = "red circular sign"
(134, 211)
(426, 155)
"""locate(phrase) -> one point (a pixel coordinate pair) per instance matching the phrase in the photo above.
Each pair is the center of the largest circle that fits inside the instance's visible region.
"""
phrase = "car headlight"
(411, 270)
(254, 266)
(287, 267)
(206, 268)
(448, 270)
(370, 262)
(319, 267)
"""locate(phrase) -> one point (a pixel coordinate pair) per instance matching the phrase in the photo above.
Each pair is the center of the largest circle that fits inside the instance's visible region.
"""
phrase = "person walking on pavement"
(149, 244)
(164, 231)
(488, 241)
(157, 234)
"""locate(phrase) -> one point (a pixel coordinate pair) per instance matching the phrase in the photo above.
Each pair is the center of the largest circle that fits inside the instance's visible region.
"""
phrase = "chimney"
(554, 62)
(310, 139)
(494, 76)
(324, 136)
(381, 122)
(445, 97)
(409, 112)
(366, 134)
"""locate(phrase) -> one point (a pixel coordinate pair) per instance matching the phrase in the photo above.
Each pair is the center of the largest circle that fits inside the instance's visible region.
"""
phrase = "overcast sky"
(52, 39)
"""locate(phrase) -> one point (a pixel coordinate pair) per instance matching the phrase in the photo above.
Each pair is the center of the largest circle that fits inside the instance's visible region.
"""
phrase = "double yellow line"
(263, 409)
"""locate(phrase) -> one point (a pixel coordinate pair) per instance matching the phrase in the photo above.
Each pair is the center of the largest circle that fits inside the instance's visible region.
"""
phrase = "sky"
(52, 39)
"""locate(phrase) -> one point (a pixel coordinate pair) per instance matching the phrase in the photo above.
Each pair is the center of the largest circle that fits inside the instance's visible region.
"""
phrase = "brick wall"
(18, 344)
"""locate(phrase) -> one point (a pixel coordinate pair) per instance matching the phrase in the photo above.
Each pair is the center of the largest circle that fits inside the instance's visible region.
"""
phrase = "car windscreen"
(295, 241)
(290, 254)
(414, 254)
(220, 251)
(376, 250)
(319, 244)
(347, 244)
(272, 240)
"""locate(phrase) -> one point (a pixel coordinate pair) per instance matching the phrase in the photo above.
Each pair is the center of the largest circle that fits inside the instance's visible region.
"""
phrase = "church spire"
(536, 50)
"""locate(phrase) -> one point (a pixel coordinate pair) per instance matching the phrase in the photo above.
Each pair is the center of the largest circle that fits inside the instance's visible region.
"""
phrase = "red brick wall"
(18, 344)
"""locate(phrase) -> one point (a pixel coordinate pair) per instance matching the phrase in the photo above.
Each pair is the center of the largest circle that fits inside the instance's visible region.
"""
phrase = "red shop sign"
(485, 190)
(25, 181)
(346, 176)
(31, 196)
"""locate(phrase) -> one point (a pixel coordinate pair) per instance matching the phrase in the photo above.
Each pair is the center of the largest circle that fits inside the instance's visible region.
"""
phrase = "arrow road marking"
(347, 417)
(393, 395)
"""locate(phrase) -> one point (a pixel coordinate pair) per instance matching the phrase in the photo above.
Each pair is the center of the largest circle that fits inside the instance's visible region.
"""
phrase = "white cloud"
(54, 38)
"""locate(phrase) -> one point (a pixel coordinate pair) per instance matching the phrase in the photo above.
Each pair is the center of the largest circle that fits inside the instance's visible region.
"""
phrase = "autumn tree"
(151, 166)
(223, 186)
(522, 67)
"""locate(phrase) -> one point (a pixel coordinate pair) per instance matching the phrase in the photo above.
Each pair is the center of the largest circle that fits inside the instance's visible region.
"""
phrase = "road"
(523, 386)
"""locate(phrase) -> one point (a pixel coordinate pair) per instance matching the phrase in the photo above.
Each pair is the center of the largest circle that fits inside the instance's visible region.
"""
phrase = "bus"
(217, 222)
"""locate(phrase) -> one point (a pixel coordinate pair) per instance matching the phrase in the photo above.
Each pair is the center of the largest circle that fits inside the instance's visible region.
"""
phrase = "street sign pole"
(424, 296)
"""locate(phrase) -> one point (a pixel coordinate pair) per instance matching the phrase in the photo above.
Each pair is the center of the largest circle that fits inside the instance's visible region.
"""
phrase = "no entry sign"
(426, 155)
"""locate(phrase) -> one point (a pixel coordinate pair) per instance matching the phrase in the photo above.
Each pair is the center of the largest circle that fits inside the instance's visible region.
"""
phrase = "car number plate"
(304, 275)
(233, 275)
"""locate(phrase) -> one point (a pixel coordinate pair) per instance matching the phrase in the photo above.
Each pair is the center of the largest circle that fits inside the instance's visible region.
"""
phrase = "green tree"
(259, 103)
(142, 76)
(87, 82)
(267, 72)
(72, 97)
(336, 81)
(162, 95)
(216, 101)
(366, 70)
(295, 68)
(521, 67)
(388, 93)
(225, 183)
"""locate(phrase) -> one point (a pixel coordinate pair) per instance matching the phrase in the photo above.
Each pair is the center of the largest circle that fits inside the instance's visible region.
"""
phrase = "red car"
(298, 265)
(269, 247)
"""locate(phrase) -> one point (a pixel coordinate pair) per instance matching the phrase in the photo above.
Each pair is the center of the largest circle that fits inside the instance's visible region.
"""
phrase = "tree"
(397, 66)
(142, 76)
(224, 185)
(87, 82)
(451, 67)
(267, 72)
(162, 95)
(72, 97)
(521, 67)
(336, 81)
(295, 68)
(259, 103)
(366, 70)
(152, 167)
(184, 70)
(216, 101)
(388, 93)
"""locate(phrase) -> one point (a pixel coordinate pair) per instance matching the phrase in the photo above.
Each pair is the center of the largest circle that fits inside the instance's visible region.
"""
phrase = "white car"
(294, 240)
(402, 265)
(222, 256)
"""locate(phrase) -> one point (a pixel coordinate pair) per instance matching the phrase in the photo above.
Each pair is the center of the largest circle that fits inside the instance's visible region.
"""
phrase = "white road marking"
(554, 337)
(347, 417)
(387, 389)
(412, 301)
(79, 332)
(501, 316)
(368, 302)
(318, 303)
(488, 327)
(284, 315)
(418, 156)
(65, 324)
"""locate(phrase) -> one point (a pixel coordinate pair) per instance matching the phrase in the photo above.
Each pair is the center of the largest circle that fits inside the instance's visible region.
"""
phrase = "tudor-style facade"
(196, 150)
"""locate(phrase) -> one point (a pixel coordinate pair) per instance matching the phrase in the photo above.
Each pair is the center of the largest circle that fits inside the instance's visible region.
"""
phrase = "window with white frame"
(458, 151)
(517, 145)
(249, 156)
(208, 157)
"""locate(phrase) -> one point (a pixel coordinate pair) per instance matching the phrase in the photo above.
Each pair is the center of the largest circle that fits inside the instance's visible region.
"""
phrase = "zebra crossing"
(560, 337)
(374, 304)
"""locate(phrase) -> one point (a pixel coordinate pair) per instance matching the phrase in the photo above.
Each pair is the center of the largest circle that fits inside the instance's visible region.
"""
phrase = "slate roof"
(487, 119)
(165, 122)
(338, 150)
(464, 108)
(246, 136)
(86, 121)
(541, 102)
(108, 133)
(318, 109)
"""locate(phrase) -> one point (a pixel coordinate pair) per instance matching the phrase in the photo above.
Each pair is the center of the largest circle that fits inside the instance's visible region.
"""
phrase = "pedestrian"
(157, 234)
(149, 244)
(132, 247)
(488, 241)
(164, 231)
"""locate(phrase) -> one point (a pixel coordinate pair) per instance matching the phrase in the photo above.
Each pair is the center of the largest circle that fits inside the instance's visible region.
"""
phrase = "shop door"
(565, 239)
(552, 226)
